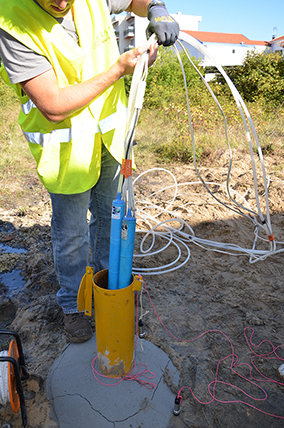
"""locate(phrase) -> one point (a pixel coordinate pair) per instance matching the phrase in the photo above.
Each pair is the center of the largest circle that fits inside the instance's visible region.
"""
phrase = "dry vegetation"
(212, 291)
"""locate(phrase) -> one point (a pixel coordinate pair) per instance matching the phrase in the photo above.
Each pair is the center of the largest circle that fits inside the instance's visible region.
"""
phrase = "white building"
(187, 22)
(130, 29)
(277, 44)
(226, 48)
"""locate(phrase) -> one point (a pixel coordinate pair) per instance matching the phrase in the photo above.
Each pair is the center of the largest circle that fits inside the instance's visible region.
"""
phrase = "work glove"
(161, 23)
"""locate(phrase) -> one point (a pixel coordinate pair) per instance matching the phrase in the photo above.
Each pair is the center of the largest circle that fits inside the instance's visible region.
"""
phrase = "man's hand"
(162, 24)
(128, 60)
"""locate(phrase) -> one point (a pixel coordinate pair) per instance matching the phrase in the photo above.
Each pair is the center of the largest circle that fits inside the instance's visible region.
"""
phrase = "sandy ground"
(218, 296)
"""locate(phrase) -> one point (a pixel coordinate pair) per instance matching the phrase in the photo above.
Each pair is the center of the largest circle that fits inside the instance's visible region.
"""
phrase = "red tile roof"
(210, 37)
(281, 38)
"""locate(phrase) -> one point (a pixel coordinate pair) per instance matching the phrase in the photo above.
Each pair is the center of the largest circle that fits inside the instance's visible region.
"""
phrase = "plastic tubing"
(179, 235)
(136, 96)
(118, 206)
(127, 249)
(171, 234)
(226, 134)
(243, 110)
(125, 197)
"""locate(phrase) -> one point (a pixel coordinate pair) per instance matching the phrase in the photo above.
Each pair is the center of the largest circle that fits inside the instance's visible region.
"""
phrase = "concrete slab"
(78, 400)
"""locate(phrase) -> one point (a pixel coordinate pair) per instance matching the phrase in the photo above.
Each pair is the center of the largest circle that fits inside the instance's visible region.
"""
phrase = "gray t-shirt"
(22, 63)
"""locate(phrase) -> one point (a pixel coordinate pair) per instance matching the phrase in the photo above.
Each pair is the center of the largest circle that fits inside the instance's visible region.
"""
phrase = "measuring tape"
(8, 382)
(12, 370)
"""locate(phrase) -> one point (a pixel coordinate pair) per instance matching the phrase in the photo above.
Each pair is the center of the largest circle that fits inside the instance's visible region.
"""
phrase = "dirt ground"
(214, 293)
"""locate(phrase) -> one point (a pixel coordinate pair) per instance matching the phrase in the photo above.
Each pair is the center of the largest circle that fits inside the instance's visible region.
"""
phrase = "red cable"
(233, 366)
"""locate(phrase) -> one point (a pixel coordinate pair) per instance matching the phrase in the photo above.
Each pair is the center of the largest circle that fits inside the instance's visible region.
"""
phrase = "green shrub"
(260, 78)
(165, 79)
(165, 82)
(165, 115)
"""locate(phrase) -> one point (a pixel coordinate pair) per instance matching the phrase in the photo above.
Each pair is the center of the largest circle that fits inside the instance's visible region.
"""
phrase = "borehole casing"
(115, 319)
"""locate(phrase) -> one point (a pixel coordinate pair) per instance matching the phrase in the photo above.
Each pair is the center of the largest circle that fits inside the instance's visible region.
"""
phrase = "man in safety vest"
(62, 59)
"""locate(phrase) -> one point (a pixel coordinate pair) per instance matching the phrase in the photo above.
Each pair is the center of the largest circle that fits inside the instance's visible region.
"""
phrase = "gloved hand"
(162, 24)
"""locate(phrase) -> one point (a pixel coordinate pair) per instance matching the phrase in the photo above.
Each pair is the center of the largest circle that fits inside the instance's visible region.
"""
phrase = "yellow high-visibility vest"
(68, 153)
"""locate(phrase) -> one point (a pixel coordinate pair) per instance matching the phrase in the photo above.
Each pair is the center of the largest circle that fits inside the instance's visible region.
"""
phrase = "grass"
(162, 136)
(20, 185)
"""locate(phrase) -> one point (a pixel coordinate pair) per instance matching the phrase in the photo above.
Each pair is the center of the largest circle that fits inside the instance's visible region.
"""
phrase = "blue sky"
(255, 19)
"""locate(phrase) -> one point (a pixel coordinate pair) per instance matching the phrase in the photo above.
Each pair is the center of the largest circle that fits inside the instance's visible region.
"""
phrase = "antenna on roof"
(274, 32)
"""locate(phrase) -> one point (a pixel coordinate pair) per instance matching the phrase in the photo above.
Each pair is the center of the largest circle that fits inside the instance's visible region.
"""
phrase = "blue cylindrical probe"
(127, 249)
(115, 240)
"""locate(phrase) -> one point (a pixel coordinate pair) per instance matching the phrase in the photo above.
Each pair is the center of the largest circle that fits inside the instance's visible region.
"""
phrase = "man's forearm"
(139, 7)
(56, 104)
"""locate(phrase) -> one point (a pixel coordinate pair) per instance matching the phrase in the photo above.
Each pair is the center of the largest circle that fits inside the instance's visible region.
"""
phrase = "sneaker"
(78, 327)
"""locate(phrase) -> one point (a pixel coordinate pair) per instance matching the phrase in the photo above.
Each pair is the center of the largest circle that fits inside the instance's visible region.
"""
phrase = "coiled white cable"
(184, 235)
(4, 389)
(178, 236)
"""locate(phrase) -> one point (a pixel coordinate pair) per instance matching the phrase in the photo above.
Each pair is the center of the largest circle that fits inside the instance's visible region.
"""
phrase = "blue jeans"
(71, 235)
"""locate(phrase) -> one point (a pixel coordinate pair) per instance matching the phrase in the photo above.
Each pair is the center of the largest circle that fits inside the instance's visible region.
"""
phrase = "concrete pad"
(78, 400)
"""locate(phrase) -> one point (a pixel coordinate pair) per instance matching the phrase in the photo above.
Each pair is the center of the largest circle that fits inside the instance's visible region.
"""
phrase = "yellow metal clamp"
(137, 283)
(85, 293)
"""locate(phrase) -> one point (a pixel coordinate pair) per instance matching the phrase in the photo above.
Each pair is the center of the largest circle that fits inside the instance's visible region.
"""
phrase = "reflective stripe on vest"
(26, 108)
(65, 135)
(56, 137)
(111, 122)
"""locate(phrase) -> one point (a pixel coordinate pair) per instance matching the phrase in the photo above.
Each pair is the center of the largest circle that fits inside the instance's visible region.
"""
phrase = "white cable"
(4, 390)
(164, 269)
(230, 151)
(135, 103)
(192, 133)
(177, 236)
(242, 110)
(207, 183)
(159, 169)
